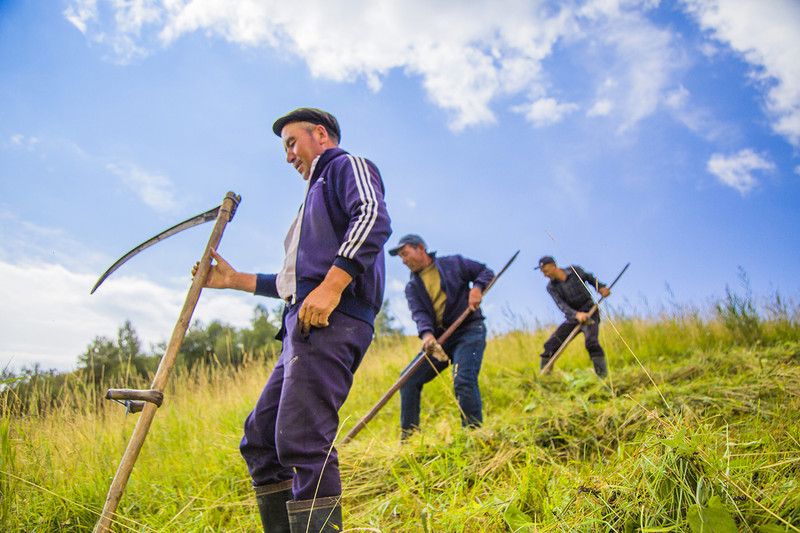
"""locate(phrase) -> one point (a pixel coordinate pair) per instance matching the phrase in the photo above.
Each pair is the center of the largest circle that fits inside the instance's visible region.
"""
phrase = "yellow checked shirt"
(433, 284)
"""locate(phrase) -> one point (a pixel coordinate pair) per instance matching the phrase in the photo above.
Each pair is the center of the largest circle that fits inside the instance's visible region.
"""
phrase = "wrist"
(336, 280)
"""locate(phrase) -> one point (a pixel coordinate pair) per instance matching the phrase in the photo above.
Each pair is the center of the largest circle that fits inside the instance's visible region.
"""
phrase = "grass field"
(696, 429)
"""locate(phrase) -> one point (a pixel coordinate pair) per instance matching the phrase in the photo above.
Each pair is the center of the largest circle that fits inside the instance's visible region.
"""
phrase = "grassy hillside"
(696, 429)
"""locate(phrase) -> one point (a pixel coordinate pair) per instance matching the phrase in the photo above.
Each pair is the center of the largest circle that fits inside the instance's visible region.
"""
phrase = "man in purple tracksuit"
(332, 281)
(440, 290)
(568, 289)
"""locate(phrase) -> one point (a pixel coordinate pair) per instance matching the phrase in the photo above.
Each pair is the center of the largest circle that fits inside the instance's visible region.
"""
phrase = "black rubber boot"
(271, 501)
(600, 367)
(323, 515)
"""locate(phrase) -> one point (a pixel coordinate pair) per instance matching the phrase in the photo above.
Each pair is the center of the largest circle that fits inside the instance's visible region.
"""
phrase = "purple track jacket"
(344, 223)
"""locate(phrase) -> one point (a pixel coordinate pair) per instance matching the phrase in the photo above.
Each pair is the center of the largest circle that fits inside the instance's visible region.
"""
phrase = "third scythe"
(577, 328)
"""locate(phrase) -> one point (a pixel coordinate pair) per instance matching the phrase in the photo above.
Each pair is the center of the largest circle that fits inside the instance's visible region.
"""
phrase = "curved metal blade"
(202, 218)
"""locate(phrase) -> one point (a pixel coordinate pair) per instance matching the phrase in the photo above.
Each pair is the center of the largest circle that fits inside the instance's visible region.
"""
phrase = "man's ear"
(322, 133)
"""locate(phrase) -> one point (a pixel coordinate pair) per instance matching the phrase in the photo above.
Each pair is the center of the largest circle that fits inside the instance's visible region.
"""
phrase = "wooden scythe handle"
(165, 368)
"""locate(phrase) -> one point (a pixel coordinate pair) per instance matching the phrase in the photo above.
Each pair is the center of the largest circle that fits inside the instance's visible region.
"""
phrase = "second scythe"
(421, 361)
(148, 401)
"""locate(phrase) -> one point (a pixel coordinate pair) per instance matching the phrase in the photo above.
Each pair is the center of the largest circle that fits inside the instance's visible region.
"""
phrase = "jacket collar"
(325, 157)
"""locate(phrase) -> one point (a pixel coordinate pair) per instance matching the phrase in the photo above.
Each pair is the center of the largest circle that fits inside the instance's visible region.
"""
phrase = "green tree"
(260, 340)
(105, 358)
(386, 324)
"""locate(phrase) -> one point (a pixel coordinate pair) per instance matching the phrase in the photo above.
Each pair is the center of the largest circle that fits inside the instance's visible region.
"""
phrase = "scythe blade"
(196, 220)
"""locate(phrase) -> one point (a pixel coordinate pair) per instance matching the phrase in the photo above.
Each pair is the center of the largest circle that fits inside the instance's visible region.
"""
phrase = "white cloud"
(545, 111)
(467, 53)
(155, 190)
(766, 35)
(600, 108)
(736, 170)
(398, 305)
(81, 13)
(49, 317)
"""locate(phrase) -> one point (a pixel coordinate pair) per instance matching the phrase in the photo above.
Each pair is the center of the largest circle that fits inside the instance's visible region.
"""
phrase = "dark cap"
(312, 115)
(545, 260)
(413, 240)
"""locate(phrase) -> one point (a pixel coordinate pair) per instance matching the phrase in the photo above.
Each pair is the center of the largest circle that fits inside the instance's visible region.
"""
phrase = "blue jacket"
(456, 273)
(345, 223)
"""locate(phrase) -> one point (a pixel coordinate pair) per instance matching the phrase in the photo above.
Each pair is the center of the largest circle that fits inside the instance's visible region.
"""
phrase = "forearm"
(568, 311)
(241, 281)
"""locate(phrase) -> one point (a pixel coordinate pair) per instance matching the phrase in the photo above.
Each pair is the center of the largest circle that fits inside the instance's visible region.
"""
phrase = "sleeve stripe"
(369, 209)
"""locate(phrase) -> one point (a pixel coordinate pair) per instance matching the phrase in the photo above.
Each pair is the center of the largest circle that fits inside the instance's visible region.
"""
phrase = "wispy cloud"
(737, 170)
(23, 142)
(154, 189)
(700, 121)
(766, 35)
(635, 61)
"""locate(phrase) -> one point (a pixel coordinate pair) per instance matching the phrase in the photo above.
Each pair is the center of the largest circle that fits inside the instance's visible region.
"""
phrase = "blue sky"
(664, 134)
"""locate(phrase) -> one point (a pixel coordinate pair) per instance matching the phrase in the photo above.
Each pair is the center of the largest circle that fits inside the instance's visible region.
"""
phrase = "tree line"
(123, 362)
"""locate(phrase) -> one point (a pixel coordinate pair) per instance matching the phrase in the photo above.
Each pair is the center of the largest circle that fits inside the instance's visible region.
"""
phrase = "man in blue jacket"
(332, 281)
(568, 289)
(440, 290)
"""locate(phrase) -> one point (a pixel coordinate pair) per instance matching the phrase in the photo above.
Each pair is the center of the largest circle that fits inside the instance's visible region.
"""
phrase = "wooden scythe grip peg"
(152, 396)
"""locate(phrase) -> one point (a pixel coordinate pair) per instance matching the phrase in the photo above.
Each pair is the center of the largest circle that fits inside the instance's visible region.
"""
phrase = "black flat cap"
(309, 114)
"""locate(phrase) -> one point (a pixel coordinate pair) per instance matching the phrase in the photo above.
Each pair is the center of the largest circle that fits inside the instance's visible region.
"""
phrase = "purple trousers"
(290, 432)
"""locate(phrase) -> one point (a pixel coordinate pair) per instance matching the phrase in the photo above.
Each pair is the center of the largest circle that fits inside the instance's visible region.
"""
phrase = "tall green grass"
(696, 430)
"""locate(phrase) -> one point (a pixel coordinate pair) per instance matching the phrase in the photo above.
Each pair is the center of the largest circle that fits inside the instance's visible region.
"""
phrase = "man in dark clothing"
(440, 290)
(332, 281)
(568, 288)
